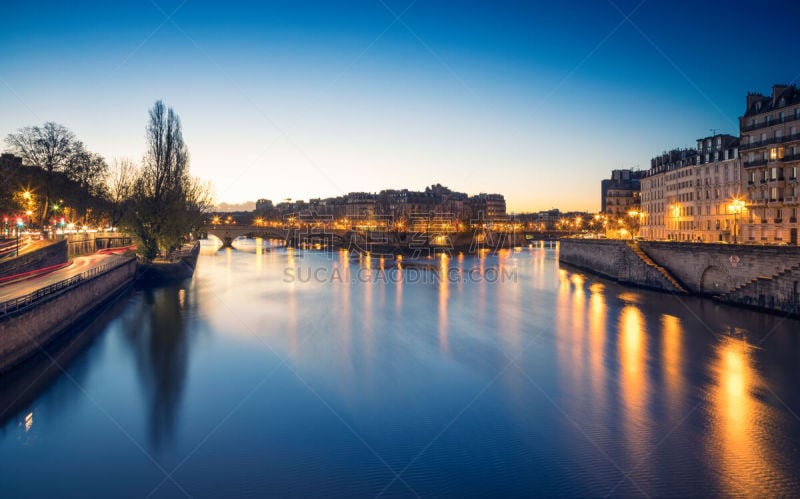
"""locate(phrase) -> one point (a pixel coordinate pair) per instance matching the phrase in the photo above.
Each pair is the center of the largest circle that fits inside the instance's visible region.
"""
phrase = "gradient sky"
(538, 101)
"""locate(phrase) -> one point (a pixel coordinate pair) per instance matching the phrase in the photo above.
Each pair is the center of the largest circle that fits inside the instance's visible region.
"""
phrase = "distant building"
(621, 193)
(8, 160)
(489, 206)
(770, 149)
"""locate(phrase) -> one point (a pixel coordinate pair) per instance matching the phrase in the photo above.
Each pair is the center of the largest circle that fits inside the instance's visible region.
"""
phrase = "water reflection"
(444, 282)
(158, 335)
(622, 370)
(634, 382)
(741, 438)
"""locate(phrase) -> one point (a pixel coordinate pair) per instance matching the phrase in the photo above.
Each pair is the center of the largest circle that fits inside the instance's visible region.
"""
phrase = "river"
(286, 372)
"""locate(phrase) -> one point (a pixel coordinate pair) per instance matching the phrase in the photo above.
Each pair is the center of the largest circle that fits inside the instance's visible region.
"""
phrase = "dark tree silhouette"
(165, 202)
(50, 147)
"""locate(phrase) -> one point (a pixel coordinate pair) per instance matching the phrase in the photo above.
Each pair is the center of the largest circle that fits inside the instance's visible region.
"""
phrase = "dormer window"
(782, 102)
(758, 106)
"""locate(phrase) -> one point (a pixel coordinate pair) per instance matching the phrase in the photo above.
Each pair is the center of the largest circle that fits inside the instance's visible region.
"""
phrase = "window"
(776, 153)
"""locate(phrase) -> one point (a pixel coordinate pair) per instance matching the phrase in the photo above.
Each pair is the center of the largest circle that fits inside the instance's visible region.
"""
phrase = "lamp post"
(636, 216)
(676, 212)
(20, 224)
(736, 207)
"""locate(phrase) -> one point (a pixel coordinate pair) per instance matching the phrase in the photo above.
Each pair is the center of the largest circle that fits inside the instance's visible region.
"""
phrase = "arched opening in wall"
(714, 281)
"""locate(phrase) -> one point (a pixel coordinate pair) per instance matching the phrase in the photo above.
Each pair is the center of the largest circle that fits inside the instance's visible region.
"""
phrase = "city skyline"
(301, 101)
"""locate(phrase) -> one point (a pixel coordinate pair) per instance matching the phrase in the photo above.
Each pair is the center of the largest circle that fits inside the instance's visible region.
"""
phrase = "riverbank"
(762, 277)
(30, 321)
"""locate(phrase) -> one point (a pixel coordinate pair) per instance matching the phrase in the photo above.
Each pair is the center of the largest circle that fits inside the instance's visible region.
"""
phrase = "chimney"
(777, 90)
(752, 97)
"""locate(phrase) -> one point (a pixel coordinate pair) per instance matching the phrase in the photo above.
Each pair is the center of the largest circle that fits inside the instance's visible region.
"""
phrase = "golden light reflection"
(443, 296)
(259, 255)
(398, 299)
(291, 300)
(28, 422)
(634, 381)
(597, 341)
(366, 311)
(671, 351)
(740, 439)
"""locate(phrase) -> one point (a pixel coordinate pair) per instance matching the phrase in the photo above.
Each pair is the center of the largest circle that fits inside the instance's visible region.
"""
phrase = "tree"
(50, 147)
(166, 204)
(119, 186)
(89, 171)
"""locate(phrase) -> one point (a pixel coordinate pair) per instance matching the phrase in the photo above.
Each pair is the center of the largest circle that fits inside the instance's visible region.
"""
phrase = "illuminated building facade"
(770, 149)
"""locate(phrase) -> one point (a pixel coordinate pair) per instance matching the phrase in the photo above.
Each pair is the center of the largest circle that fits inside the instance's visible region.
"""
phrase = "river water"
(285, 372)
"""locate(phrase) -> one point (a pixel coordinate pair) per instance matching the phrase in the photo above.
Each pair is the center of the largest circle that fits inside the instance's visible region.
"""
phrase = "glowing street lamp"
(20, 225)
(736, 207)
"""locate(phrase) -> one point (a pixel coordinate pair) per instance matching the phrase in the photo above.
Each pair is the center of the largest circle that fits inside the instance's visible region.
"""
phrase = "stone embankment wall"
(51, 254)
(717, 269)
(612, 259)
(766, 277)
(24, 333)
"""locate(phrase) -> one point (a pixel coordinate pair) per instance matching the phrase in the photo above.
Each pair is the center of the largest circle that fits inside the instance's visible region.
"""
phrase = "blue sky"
(538, 101)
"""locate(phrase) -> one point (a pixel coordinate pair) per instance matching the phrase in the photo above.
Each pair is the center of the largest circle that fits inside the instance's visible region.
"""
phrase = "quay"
(762, 277)
(51, 285)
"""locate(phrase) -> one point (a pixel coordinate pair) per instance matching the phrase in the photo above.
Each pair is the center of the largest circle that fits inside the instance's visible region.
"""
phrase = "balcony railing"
(767, 142)
(765, 124)
(757, 162)
(790, 157)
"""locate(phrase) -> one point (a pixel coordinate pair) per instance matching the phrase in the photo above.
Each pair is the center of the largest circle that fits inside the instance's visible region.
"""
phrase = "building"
(487, 206)
(717, 176)
(621, 193)
(10, 161)
(689, 194)
(770, 150)
(666, 189)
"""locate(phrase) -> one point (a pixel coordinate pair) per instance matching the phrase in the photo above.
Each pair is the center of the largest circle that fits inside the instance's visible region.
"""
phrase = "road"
(79, 264)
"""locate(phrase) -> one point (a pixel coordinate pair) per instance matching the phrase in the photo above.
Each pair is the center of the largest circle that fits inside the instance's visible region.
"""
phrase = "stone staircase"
(751, 282)
(634, 246)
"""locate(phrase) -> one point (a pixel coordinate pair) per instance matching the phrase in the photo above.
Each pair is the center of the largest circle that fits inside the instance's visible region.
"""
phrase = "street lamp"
(736, 207)
(20, 224)
(676, 213)
(637, 221)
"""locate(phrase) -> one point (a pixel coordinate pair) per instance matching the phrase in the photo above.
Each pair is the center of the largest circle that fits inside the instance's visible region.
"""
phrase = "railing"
(766, 142)
(769, 123)
(757, 162)
(25, 302)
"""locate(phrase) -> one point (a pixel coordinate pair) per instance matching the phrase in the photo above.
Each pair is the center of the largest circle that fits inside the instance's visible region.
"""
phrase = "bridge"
(293, 236)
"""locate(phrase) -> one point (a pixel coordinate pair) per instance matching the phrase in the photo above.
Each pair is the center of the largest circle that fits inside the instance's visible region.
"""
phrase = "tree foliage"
(50, 147)
(166, 203)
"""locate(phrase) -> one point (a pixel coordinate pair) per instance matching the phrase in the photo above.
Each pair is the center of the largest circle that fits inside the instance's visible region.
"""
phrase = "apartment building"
(694, 194)
(770, 149)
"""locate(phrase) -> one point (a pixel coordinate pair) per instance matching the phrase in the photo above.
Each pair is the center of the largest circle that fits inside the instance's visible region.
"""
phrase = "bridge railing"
(25, 302)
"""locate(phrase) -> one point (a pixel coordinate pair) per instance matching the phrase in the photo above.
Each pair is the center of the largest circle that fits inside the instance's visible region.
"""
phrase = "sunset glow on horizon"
(301, 100)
